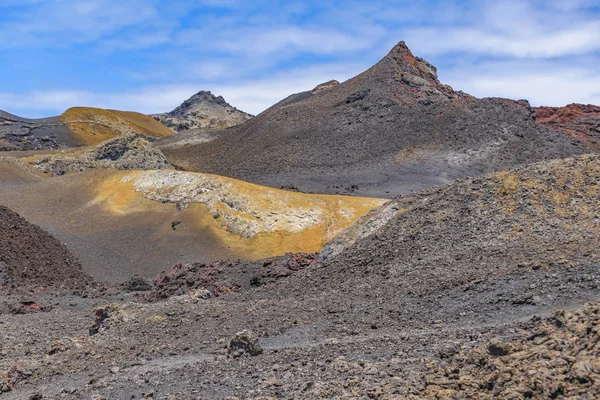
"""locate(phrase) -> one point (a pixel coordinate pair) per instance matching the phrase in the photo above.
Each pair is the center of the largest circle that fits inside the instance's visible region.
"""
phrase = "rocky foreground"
(487, 288)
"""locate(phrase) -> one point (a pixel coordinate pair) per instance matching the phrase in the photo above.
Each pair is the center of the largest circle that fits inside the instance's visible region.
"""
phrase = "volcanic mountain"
(203, 110)
(390, 130)
(78, 126)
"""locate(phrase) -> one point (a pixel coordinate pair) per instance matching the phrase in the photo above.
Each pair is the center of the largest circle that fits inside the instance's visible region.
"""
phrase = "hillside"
(390, 130)
(33, 261)
(78, 126)
(122, 223)
(203, 110)
(536, 218)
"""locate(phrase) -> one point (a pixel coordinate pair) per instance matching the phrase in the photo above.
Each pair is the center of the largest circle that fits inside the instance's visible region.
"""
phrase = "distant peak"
(402, 52)
(204, 98)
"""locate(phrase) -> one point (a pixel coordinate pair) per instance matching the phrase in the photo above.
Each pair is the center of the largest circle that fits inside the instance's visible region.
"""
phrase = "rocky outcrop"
(581, 122)
(242, 209)
(244, 343)
(127, 152)
(324, 86)
(203, 110)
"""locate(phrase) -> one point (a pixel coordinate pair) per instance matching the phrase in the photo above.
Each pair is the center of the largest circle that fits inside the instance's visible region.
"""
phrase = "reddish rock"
(578, 121)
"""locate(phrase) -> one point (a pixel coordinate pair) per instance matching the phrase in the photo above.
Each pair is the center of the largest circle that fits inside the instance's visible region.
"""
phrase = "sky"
(150, 55)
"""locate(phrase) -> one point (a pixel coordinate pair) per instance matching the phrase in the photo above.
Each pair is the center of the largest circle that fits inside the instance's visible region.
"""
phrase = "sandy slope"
(120, 223)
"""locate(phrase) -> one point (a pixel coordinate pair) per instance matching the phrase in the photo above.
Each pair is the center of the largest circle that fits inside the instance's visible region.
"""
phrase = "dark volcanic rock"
(33, 260)
(224, 277)
(390, 130)
(244, 343)
(17, 133)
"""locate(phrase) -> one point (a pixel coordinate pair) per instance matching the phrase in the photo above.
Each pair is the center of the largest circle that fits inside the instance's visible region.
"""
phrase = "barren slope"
(33, 261)
(390, 130)
(121, 223)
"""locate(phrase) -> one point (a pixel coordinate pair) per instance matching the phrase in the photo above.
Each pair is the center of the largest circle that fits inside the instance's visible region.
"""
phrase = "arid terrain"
(387, 237)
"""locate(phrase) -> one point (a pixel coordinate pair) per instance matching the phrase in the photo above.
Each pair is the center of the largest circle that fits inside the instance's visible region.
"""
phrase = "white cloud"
(252, 96)
(580, 39)
(523, 29)
(539, 82)
(257, 53)
(60, 24)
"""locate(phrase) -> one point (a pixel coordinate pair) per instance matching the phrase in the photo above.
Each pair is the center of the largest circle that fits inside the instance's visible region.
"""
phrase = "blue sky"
(150, 55)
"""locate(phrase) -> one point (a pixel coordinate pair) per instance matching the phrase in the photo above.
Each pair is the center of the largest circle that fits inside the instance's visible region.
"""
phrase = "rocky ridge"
(78, 126)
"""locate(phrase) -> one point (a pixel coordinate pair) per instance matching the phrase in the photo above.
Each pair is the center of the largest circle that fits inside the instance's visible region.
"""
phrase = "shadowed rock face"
(390, 130)
(203, 110)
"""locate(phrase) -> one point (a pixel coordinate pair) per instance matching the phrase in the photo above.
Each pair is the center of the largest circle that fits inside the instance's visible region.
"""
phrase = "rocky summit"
(391, 130)
(203, 110)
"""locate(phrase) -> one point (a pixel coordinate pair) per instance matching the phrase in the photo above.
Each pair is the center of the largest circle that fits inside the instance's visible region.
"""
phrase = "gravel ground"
(443, 297)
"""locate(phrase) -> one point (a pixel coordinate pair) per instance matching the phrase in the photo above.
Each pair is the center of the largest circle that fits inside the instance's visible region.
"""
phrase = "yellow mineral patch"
(253, 221)
(91, 126)
(145, 123)
(564, 192)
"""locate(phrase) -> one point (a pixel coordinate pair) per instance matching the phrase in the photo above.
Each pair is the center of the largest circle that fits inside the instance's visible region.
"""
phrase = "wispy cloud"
(516, 29)
(249, 95)
(149, 55)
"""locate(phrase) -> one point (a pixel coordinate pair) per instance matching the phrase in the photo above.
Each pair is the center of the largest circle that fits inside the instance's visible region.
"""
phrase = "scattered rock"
(244, 343)
(101, 315)
(137, 284)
